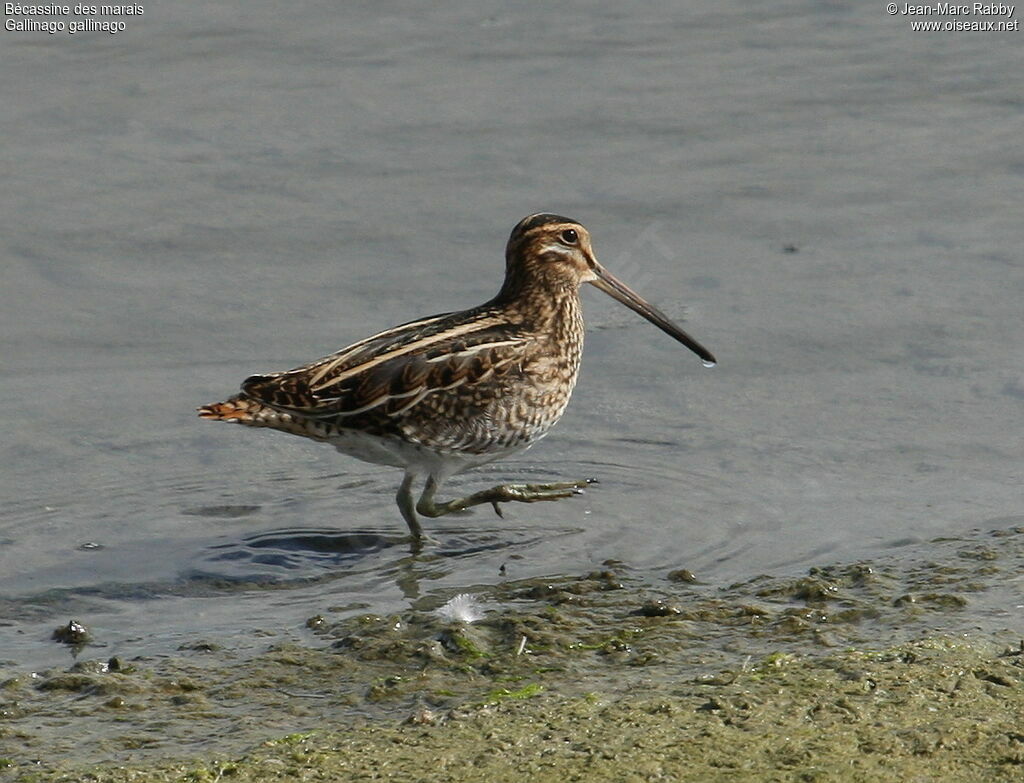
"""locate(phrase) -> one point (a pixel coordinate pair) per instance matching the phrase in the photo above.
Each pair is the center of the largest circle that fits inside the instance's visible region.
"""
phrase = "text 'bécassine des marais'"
(52, 9)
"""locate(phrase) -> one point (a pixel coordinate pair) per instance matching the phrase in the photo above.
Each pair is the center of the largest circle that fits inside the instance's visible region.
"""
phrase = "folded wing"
(391, 372)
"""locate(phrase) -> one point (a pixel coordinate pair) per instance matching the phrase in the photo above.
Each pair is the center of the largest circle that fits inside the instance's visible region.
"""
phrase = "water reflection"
(301, 556)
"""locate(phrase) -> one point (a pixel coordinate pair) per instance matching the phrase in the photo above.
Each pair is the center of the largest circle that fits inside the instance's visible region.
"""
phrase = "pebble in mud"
(657, 608)
(682, 575)
(73, 634)
(316, 621)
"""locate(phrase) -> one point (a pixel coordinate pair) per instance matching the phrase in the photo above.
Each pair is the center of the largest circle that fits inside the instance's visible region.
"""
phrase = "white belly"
(414, 458)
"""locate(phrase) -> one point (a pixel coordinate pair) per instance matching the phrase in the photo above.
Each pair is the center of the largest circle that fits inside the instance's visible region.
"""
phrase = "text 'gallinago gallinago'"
(446, 393)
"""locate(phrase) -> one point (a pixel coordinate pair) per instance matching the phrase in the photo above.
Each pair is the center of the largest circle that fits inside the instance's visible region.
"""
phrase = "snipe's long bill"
(452, 391)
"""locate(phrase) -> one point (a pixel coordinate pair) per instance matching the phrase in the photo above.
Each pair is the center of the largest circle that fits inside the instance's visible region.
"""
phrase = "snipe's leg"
(407, 505)
(521, 493)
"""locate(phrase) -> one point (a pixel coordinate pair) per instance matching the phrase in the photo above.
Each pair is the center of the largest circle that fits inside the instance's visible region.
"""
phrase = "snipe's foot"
(503, 493)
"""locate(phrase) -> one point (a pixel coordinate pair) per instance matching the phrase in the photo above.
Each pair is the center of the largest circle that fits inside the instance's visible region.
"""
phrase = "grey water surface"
(830, 200)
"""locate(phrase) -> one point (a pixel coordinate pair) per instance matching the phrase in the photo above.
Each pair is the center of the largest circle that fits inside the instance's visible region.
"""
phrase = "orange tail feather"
(236, 409)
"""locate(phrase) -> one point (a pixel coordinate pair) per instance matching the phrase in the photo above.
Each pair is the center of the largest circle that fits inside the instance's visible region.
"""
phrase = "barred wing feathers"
(392, 371)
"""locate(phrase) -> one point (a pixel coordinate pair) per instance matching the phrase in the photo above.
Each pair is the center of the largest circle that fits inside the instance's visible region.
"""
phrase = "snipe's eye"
(570, 237)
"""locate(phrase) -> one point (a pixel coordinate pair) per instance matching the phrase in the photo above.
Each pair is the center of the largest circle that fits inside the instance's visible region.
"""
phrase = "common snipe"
(446, 393)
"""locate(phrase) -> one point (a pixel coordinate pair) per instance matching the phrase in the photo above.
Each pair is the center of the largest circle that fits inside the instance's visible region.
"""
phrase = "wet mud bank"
(899, 668)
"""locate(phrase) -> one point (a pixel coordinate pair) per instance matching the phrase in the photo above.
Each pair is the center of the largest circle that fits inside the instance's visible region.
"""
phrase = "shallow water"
(830, 200)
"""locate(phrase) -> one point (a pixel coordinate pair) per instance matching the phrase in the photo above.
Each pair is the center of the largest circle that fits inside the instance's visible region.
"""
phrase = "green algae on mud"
(850, 672)
(937, 709)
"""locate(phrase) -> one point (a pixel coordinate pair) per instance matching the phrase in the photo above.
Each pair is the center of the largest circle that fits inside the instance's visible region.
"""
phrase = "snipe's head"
(549, 249)
(552, 252)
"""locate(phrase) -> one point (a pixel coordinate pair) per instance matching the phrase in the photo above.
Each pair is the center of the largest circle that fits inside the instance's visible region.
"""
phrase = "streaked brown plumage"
(445, 393)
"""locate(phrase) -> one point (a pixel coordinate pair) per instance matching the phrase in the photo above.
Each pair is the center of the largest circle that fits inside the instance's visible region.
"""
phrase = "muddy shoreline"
(876, 670)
